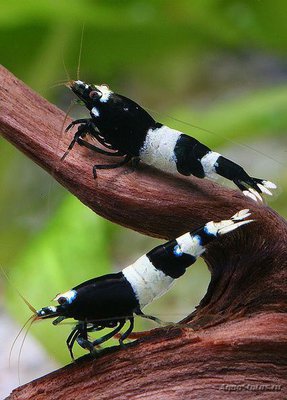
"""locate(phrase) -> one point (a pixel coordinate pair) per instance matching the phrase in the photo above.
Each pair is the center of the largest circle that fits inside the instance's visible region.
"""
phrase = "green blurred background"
(219, 65)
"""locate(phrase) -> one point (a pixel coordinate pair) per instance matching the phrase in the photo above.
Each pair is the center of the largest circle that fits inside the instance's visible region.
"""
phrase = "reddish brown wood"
(241, 331)
(180, 364)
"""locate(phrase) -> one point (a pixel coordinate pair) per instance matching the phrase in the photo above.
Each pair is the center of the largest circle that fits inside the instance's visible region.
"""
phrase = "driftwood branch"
(239, 346)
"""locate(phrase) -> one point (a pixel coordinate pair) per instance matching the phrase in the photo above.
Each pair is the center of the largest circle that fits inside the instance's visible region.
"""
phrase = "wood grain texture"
(241, 330)
(233, 361)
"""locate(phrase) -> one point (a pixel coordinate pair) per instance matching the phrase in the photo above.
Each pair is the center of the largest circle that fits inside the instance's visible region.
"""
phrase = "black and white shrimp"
(109, 301)
(125, 129)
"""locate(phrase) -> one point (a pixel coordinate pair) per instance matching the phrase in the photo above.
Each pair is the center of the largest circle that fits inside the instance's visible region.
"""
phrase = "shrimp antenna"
(32, 319)
(80, 52)
(243, 145)
(19, 293)
(66, 69)
(57, 84)
(18, 334)
(62, 129)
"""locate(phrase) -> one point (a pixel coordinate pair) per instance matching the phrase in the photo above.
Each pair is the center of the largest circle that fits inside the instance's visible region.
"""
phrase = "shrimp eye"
(62, 300)
(95, 94)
